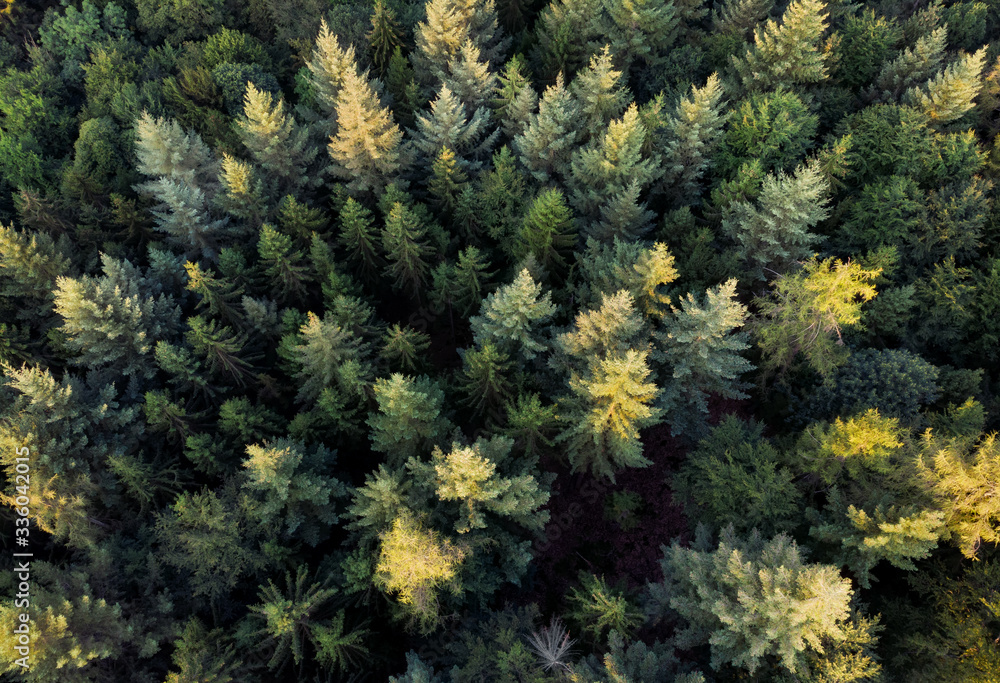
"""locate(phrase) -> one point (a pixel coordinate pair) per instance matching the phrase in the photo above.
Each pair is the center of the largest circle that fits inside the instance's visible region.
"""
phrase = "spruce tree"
(565, 33)
(950, 94)
(325, 348)
(405, 250)
(216, 294)
(702, 346)
(914, 66)
(739, 17)
(449, 24)
(293, 493)
(755, 601)
(550, 136)
(692, 134)
(515, 98)
(787, 53)
(640, 30)
(30, 263)
(600, 94)
(243, 193)
(548, 232)
(449, 126)
(404, 348)
(470, 78)
(366, 147)
(409, 419)
(284, 264)
(511, 316)
(276, 141)
(485, 379)
(385, 35)
(359, 239)
(328, 68)
(447, 181)
(113, 320)
(610, 404)
(775, 231)
(807, 309)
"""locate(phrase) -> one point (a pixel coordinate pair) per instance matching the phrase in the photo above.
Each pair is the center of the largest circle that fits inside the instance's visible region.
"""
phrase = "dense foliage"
(633, 341)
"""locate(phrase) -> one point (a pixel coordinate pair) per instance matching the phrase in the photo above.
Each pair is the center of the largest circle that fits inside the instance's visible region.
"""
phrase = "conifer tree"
(358, 238)
(607, 268)
(515, 98)
(755, 601)
(600, 94)
(328, 68)
(294, 494)
(30, 263)
(449, 24)
(415, 564)
(550, 136)
(965, 489)
(409, 419)
(787, 53)
(366, 147)
(914, 66)
(468, 476)
(385, 35)
(470, 78)
(775, 231)
(113, 320)
(610, 165)
(448, 126)
(739, 17)
(276, 141)
(692, 133)
(217, 295)
(405, 250)
(950, 94)
(623, 215)
(243, 193)
(320, 357)
(404, 348)
(485, 378)
(565, 33)
(284, 264)
(701, 345)
(548, 232)
(807, 309)
(510, 317)
(640, 30)
(611, 329)
(530, 424)
(221, 347)
(447, 181)
(608, 408)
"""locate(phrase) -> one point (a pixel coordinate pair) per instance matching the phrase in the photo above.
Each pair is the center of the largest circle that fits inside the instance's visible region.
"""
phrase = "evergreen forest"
(500, 341)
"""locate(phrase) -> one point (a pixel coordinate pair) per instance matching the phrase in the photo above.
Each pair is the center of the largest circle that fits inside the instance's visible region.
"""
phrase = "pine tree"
(510, 317)
(610, 165)
(449, 24)
(755, 601)
(409, 419)
(950, 94)
(550, 136)
(789, 53)
(914, 66)
(113, 320)
(415, 564)
(405, 250)
(358, 238)
(692, 134)
(775, 231)
(548, 232)
(964, 488)
(468, 476)
(329, 67)
(366, 147)
(276, 141)
(448, 126)
(292, 494)
(609, 407)
(284, 264)
(600, 94)
(807, 309)
(702, 347)
(385, 35)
